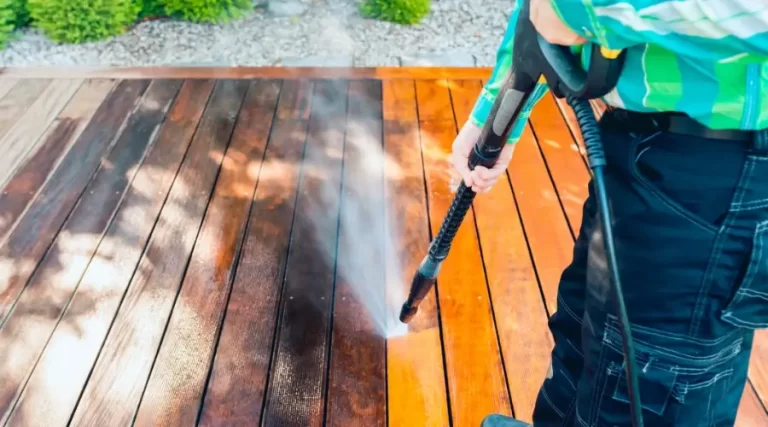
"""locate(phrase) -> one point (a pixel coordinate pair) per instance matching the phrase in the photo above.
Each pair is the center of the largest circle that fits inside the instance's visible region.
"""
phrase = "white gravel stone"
(289, 32)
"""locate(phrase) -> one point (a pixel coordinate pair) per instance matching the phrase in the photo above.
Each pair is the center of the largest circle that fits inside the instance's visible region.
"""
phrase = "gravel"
(289, 33)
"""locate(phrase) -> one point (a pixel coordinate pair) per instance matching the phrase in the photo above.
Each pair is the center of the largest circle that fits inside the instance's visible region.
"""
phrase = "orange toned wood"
(751, 411)
(415, 378)
(548, 233)
(49, 291)
(433, 101)
(758, 366)
(381, 73)
(521, 317)
(568, 171)
(56, 140)
(474, 366)
(23, 138)
(464, 94)
(17, 101)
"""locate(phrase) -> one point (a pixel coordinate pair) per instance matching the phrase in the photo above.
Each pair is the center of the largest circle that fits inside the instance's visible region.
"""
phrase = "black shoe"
(496, 420)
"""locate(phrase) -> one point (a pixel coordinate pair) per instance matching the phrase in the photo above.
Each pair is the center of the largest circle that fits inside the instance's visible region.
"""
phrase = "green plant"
(7, 21)
(212, 11)
(397, 11)
(22, 13)
(152, 9)
(78, 21)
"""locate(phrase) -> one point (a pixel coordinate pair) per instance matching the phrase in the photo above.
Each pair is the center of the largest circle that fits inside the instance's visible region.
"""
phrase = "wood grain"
(415, 367)
(297, 382)
(361, 314)
(36, 230)
(758, 365)
(21, 189)
(48, 293)
(521, 317)
(18, 100)
(238, 380)
(6, 84)
(751, 412)
(176, 384)
(473, 361)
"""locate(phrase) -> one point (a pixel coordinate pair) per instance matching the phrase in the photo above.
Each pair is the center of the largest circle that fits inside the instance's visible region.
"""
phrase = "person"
(687, 177)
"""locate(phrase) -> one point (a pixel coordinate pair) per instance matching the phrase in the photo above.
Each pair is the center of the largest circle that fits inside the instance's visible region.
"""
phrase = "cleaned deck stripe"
(18, 100)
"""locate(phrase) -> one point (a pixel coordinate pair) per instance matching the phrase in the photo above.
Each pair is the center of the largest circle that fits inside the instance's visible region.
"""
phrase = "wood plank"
(751, 412)
(23, 139)
(57, 139)
(18, 100)
(521, 317)
(297, 382)
(176, 384)
(758, 365)
(27, 243)
(236, 389)
(6, 84)
(474, 366)
(361, 313)
(568, 171)
(138, 328)
(37, 311)
(415, 367)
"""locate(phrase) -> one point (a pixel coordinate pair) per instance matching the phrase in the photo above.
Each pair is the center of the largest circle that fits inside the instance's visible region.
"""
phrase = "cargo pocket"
(748, 307)
(656, 386)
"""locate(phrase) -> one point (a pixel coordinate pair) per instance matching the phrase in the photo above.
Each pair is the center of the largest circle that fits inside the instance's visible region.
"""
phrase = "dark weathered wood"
(297, 381)
(235, 393)
(35, 231)
(190, 336)
(416, 388)
(38, 309)
(473, 361)
(361, 312)
(63, 131)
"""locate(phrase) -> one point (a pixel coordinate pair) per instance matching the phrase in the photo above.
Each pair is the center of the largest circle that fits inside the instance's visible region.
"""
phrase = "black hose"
(596, 158)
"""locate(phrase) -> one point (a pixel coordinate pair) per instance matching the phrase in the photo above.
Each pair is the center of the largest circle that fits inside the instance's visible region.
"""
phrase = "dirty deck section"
(163, 262)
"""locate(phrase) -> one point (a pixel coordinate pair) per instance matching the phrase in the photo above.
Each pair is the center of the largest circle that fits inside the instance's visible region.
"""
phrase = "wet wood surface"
(232, 249)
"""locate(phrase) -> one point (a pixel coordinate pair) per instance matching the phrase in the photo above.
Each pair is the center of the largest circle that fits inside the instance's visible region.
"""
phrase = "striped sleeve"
(718, 30)
(491, 89)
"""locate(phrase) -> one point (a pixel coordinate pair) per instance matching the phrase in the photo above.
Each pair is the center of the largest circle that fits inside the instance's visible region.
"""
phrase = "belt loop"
(760, 141)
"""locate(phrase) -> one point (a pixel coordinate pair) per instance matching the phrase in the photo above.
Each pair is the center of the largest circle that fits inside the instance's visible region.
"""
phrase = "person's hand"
(550, 26)
(481, 179)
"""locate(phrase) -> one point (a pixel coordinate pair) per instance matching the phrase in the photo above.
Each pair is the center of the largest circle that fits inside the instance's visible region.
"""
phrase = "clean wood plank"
(177, 382)
(18, 100)
(415, 379)
(57, 139)
(361, 314)
(38, 309)
(521, 317)
(474, 366)
(297, 382)
(6, 84)
(29, 240)
(758, 366)
(751, 411)
(23, 138)
(236, 389)
(138, 328)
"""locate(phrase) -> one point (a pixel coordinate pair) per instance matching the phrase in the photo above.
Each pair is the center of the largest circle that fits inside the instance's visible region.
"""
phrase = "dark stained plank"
(35, 231)
(137, 330)
(297, 381)
(18, 100)
(24, 137)
(177, 381)
(521, 318)
(238, 380)
(38, 309)
(57, 139)
(473, 361)
(416, 388)
(361, 313)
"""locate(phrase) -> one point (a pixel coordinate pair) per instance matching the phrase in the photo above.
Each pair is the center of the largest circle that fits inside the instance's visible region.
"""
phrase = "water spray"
(535, 60)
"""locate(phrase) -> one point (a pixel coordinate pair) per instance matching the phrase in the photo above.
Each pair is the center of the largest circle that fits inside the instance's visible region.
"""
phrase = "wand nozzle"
(422, 283)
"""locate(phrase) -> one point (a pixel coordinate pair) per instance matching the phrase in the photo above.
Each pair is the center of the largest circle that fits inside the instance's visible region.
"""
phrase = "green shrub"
(212, 11)
(397, 11)
(7, 21)
(78, 21)
(22, 13)
(152, 9)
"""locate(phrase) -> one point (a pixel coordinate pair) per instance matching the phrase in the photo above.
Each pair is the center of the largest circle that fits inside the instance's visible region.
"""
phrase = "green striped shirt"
(705, 58)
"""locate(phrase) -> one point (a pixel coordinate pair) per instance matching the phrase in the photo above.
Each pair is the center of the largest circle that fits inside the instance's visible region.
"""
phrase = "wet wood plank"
(36, 230)
(21, 189)
(236, 390)
(477, 386)
(416, 387)
(176, 384)
(23, 138)
(40, 306)
(297, 383)
(361, 315)
(521, 317)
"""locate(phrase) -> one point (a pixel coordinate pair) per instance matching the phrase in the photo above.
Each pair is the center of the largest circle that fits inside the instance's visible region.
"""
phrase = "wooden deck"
(183, 248)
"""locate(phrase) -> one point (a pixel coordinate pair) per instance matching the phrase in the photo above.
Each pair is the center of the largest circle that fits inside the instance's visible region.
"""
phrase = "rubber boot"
(497, 420)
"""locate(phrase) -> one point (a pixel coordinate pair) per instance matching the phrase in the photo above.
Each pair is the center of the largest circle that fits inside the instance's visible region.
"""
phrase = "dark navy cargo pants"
(691, 232)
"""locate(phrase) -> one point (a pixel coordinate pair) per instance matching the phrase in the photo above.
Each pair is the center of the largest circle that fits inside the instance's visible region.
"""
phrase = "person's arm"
(720, 30)
(490, 91)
